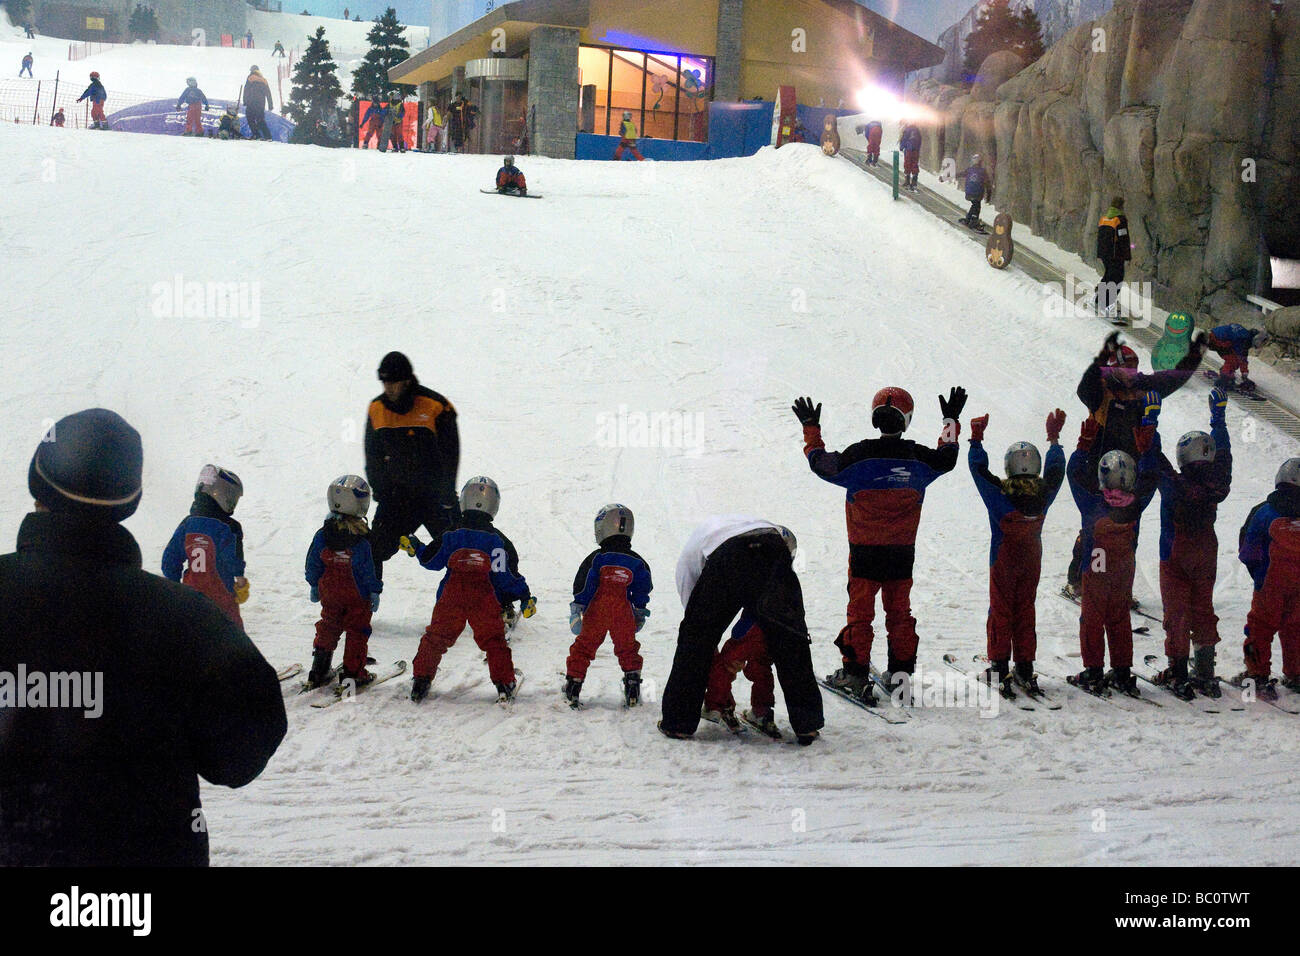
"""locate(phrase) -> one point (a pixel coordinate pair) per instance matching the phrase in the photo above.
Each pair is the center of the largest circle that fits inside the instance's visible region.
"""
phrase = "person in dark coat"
(1114, 248)
(978, 188)
(412, 455)
(257, 100)
(909, 141)
(170, 690)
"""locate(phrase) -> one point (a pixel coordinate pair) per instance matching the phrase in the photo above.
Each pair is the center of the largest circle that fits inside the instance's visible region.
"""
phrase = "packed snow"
(637, 336)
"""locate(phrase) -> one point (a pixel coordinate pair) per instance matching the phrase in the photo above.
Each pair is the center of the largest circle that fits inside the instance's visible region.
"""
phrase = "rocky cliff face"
(1190, 109)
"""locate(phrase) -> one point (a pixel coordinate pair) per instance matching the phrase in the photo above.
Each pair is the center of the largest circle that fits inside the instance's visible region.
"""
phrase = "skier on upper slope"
(1189, 549)
(1017, 508)
(885, 479)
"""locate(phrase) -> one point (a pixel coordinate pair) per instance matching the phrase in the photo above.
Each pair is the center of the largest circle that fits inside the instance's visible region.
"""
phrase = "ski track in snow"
(664, 288)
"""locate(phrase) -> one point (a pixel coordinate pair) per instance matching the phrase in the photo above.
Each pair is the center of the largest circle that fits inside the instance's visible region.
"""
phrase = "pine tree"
(387, 48)
(144, 23)
(314, 99)
(998, 28)
(19, 11)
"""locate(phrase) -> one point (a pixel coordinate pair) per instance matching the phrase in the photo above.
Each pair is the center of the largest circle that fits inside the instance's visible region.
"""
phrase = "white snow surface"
(715, 292)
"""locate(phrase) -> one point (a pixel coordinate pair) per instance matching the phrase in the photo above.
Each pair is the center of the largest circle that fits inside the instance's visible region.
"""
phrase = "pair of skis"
(887, 711)
(741, 725)
(1011, 691)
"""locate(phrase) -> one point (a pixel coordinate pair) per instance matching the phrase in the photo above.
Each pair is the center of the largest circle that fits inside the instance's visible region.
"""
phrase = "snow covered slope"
(558, 327)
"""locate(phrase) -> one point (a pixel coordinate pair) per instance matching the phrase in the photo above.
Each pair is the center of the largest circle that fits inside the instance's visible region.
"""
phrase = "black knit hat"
(395, 367)
(89, 464)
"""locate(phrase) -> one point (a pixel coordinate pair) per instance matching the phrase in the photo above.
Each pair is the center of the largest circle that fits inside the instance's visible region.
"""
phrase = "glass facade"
(668, 94)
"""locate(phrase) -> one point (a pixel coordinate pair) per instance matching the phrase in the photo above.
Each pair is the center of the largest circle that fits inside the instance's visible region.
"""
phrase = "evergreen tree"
(387, 48)
(314, 100)
(144, 23)
(19, 11)
(999, 28)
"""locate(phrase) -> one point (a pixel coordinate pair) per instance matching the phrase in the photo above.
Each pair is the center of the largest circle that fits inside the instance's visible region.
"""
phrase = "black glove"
(952, 406)
(1109, 349)
(804, 411)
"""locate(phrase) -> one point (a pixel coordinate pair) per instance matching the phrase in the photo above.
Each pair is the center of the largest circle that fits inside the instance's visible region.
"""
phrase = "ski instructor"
(734, 563)
(412, 454)
(143, 684)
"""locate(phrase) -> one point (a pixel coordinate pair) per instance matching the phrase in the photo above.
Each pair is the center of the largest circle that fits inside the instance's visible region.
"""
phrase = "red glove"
(1143, 436)
(1087, 433)
(977, 426)
(1055, 422)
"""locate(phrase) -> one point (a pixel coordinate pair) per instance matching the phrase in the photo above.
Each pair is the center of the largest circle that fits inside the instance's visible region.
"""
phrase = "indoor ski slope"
(708, 294)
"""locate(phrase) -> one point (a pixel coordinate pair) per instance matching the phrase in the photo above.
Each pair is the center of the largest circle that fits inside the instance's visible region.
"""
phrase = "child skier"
(196, 103)
(58, 119)
(627, 137)
(27, 66)
(207, 549)
(978, 188)
(482, 575)
(745, 651)
(610, 594)
(1233, 343)
(96, 93)
(885, 479)
(909, 141)
(1270, 550)
(228, 128)
(1111, 503)
(373, 121)
(510, 179)
(1189, 549)
(873, 131)
(1017, 507)
(340, 571)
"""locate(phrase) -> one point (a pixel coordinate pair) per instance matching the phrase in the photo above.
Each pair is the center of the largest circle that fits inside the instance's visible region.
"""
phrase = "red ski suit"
(745, 651)
(1270, 549)
(341, 567)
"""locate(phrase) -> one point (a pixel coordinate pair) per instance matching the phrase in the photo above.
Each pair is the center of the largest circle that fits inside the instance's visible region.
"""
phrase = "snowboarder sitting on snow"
(627, 137)
(510, 179)
(610, 594)
(1234, 342)
(885, 480)
(1017, 507)
(1189, 549)
(482, 576)
(207, 549)
(96, 93)
(27, 66)
(228, 128)
(978, 188)
(1111, 499)
(873, 131)
(341, 575)
(1270, 550)
(58, 119)
(195, 102)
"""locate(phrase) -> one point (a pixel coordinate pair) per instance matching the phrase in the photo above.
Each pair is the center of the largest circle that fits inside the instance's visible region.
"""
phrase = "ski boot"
(806, 739)
(1246, 386)
(420, 688)
(322, 663)
(898, 680)
(765, 724)
(1203, 677)
(673, 734)
(572, 688)
(356, 679)
(1025, 678)
(506, 692)
(1092, 680)
(1122, 679)
(631, 688)
(1174, 678)
(1265, 686)
(855, 681)
(725, 716)
(1291, 684)
(998, 675)
(1073, 590)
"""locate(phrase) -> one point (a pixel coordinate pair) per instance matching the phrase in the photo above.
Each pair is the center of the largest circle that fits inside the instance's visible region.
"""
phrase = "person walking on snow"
(1017, 507)
(627, 138)
(27, 65)
(96, 93)
(978, 188)
(737, 564)
(1189, 550)
(610, 594)
(884, 481)
(1114, 248)
(909, 141)
(195, 102)
(257, 100)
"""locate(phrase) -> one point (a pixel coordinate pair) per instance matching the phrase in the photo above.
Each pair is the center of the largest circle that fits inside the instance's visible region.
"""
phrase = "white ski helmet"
(1195, 446)
(788, 537)
(1023, 458)
(1117, 471)
(480, 494)
(614, 519)
(222, 486)
(1289, 473)
(349, 495)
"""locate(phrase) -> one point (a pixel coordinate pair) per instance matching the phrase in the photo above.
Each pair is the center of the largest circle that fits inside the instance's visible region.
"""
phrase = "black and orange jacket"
(412, 446)
(1113, 242)
(885, 481)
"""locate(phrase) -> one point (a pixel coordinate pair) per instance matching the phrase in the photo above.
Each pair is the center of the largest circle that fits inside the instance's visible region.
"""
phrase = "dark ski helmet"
(891, 410)
(94, 74)
(395, 367)
(191, 81)
(508, 161)
(89, 464)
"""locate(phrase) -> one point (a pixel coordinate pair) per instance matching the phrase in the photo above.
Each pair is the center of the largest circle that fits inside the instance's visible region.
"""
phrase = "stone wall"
(553, 91)
(726, 69)
(1170, 103)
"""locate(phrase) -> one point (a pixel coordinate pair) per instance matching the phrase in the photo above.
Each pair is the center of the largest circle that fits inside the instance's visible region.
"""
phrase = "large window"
(668, 94)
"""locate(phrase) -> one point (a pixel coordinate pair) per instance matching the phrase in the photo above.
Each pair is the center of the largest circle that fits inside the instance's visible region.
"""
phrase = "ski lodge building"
(692, 72)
